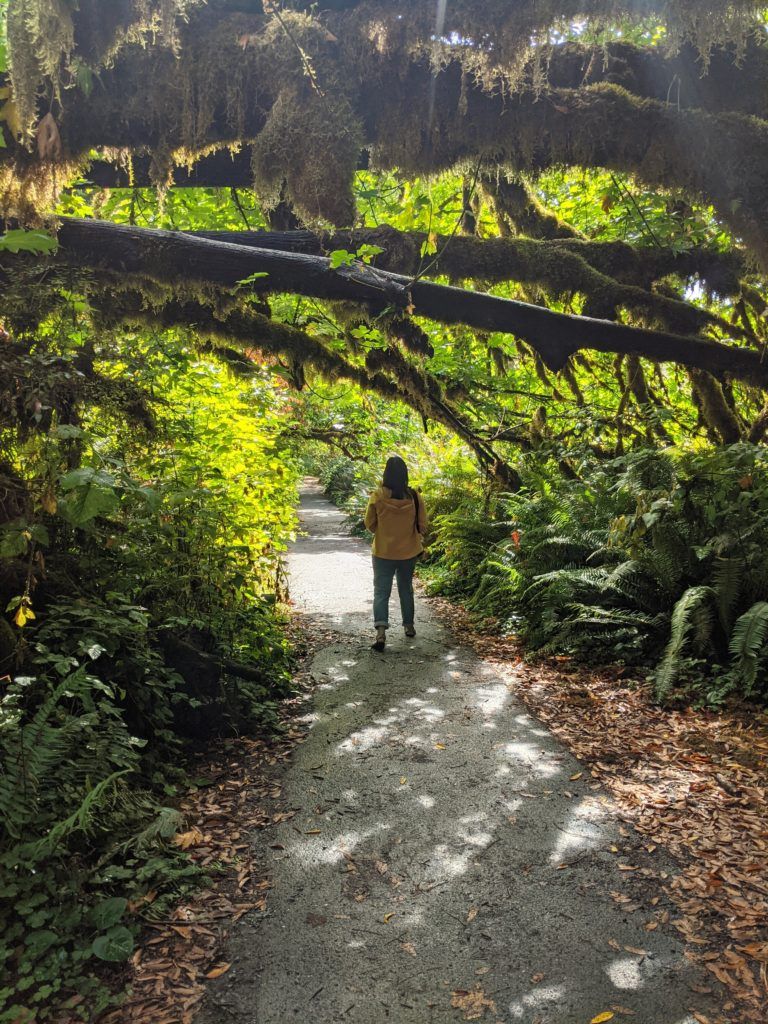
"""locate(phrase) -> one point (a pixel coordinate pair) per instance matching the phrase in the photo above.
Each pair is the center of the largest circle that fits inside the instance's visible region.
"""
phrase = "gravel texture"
(449, 859)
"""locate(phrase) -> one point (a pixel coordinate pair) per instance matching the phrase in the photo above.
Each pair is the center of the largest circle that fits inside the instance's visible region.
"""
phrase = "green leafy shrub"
(654, 559)
(140, 573)
(72, 811)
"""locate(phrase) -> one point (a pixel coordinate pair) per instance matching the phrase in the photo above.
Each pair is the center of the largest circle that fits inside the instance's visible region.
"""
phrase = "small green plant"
(344, 258)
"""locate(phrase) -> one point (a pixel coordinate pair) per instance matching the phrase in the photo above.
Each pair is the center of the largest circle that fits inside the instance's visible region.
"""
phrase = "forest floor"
(446, 833)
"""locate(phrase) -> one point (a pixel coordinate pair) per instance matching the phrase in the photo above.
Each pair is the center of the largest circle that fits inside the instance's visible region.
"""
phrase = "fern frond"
(727, 577)
(747, 642)
(78, 821)
(30, 753)
(669, 668)
(631, 580)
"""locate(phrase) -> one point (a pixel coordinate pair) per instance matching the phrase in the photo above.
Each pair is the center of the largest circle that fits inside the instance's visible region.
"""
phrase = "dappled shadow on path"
(445, 847)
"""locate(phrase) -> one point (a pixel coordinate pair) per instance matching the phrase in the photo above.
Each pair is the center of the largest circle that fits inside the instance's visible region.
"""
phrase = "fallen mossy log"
(612, 275)
(178, 259)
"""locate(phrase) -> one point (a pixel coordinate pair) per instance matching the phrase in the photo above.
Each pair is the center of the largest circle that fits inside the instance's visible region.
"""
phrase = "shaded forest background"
(522, 246)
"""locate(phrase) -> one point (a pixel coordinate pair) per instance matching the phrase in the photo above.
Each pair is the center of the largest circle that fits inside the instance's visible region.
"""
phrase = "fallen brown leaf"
(472, 1003)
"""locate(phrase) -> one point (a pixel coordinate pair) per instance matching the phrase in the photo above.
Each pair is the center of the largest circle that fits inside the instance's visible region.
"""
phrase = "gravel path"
(449, 860)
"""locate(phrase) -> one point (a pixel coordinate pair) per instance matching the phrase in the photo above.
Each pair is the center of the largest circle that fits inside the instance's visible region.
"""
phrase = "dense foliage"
(596, 486)
(655, 559)
(146, 496)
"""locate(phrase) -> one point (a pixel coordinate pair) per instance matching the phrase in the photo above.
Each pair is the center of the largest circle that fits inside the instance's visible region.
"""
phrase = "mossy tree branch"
(495, 260)
(388, 375)
(238, 80)
(603, 272)
(519, 211)
(179, 260)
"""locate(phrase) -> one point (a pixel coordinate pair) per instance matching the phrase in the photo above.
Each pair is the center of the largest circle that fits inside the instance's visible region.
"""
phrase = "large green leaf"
(115, 945)
(27, 241)
(106, 914)
(85, 503)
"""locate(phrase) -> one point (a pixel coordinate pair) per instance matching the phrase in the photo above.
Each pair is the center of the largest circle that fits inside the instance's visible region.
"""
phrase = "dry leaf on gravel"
(217, 972)
(472, 1003)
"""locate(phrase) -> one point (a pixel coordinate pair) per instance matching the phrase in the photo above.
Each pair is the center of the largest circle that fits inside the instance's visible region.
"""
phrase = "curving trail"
(445, 863)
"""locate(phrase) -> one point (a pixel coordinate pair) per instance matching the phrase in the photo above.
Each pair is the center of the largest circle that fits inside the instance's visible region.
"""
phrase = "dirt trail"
(449, 859)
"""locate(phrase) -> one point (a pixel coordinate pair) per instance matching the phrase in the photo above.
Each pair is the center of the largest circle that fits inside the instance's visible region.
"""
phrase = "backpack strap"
(415, 497)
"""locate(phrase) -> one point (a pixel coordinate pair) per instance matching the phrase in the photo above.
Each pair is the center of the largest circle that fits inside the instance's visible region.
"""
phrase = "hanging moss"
(496, 36)
(41, 37)
(273, 81)
(290, 155)
(309, 98)
(519, 209)
(409, 334)
(52, 41)
(714, 408)
(716, 157)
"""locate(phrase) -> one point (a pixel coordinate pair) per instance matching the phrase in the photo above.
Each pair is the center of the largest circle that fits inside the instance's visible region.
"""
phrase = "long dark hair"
(396, 477)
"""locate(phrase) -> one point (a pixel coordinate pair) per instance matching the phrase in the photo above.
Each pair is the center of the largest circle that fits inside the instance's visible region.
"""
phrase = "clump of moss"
(410, 335)
(29, 190)
(274, 81)
(53, 43)
(312, 144)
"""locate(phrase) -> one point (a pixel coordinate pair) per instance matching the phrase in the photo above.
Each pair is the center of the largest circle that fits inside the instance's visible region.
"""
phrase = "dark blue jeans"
(384, 571)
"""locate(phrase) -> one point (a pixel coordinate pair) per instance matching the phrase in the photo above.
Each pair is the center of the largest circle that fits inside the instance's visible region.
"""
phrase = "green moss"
(517, 206)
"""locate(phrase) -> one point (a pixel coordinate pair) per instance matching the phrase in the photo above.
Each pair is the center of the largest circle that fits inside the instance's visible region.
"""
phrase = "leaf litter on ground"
(175, 957)
(694, 782)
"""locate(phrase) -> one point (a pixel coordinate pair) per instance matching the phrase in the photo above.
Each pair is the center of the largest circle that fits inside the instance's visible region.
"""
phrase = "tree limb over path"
(610, 274)
(238, 80)
(252, 331)
(177, 259)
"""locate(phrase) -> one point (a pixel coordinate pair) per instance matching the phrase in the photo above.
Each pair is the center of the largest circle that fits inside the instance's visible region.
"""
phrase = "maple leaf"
(187, 839)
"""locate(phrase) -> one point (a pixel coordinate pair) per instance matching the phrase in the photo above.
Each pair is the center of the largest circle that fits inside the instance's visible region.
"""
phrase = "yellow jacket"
(396, 525)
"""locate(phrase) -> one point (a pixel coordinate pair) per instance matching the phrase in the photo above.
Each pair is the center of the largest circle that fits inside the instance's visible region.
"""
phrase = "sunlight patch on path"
(441, 839)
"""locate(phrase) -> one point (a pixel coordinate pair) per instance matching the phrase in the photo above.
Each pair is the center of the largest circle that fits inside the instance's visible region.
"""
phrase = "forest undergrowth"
(628, 616)
(654, 560)
(140, 570)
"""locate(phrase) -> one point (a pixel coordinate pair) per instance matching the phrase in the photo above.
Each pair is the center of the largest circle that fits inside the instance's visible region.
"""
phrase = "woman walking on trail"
(397, 519)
